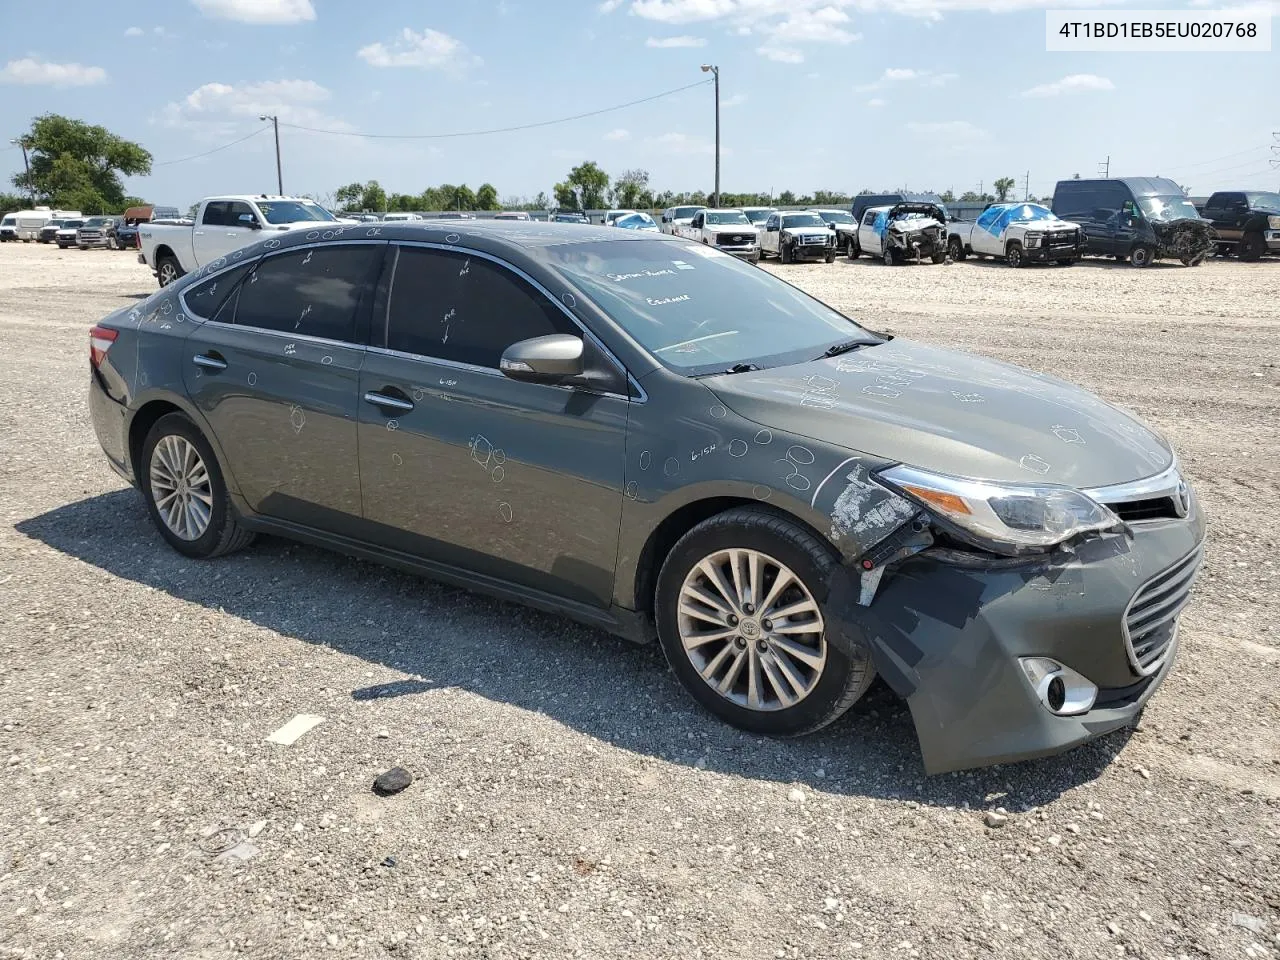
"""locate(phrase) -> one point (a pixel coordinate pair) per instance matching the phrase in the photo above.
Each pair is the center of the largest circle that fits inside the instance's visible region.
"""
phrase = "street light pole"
(715, 72)
(275, 123)
(31, 190)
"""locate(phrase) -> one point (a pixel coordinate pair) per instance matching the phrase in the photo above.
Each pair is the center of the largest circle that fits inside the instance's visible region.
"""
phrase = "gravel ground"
(568, 799)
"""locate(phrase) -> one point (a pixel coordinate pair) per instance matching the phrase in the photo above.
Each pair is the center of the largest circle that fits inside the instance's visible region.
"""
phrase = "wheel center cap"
(749, 629)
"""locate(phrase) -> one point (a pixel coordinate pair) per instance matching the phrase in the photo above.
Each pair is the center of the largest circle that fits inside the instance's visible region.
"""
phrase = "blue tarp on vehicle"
(998, 216)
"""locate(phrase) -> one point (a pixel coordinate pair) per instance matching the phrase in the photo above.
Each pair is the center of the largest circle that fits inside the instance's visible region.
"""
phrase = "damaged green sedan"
(650, 436)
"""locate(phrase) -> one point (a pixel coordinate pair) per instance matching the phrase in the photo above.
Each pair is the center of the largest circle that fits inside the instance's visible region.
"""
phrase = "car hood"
(915, 225)
(952, 413)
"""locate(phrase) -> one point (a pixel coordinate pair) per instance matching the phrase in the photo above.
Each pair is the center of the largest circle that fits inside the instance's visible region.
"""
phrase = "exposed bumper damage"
(915, 231)
(949, 631)
(1190, 241)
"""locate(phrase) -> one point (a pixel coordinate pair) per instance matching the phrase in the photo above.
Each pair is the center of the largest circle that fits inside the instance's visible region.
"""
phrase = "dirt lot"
(570, 800)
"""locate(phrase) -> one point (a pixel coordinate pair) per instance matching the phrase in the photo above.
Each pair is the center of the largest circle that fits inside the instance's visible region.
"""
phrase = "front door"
(275, 371)
(516, 481)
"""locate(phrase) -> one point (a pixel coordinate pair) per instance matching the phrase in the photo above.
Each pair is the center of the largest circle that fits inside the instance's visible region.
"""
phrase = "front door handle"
(387, 402)
(209, 361)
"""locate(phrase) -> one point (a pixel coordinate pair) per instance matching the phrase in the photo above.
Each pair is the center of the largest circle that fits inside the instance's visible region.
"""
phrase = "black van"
(1139, 219)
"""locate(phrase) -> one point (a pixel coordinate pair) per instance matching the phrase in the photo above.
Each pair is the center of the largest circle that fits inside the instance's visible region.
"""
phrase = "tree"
(11, 201)
(373, 197)
(78, 166)
(348, 197)
(947, 196)
(540, 202)
(590, 183)
(830, 198)
(566, 196)
(969, 197)
(1002, 188)
(632, 188)
(487, 197)
(787, 199)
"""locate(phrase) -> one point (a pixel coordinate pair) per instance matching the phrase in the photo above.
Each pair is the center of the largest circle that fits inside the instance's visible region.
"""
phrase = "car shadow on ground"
(606, 688)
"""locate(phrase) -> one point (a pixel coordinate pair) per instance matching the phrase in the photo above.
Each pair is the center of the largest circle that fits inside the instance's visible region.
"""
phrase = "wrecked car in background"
(788, 501)
(903, 232)
(1019, 233)
(1139, 219)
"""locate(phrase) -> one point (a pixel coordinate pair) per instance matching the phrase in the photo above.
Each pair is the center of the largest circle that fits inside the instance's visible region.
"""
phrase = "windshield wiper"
(742, 368)
(838, 348)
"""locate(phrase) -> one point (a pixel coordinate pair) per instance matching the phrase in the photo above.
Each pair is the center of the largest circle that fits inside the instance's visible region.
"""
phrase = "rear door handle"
(387, 402)
(209, 361)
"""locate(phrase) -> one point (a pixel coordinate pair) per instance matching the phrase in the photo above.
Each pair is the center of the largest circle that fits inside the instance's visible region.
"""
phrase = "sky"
(814, 94)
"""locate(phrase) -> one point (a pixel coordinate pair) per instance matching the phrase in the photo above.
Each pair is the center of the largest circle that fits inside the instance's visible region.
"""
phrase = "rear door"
(275, 368)
(517, 481)
(868, 235)
(770, 234)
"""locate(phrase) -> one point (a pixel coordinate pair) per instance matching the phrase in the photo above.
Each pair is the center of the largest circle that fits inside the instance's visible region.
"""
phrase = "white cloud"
(41, 73)
(223, 108)
(680, 11)
(258, 11)
(618, 134)
(133, 32)
(737, 100)
(430, 49)
(1074, 83)
(667, 43)
(781, 54)
(875, 102)
(608, 6)
(684, 144)
(952, 130)
(824, 25)
(896, 75)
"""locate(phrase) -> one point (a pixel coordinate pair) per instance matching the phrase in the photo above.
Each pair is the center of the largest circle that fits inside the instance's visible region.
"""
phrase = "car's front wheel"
(1013, 255)
(956, 249)
(185, 491)
(784, 253)
(1142, 256)
(740, 610)
(889, 258)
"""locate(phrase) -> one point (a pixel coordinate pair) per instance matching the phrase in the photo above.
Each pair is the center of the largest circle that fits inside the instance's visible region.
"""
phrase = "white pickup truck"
(729, 230)
(1018, 233)
(221, 225)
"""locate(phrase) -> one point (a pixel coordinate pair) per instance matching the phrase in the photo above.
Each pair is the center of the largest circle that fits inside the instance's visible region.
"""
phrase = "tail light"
(100, 341)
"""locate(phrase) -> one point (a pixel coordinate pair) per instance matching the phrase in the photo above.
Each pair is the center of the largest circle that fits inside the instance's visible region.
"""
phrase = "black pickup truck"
(1247, 222)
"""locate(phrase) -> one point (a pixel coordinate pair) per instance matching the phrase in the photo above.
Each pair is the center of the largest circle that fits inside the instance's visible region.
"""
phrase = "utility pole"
(980, 193)
(715, 72)
(275, 123)
(31, 190)
(1026, 189)
(1106, 168)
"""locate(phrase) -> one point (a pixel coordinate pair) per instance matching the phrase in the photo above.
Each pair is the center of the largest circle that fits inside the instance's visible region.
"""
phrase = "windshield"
(1168, 208)
(755, 214)
(722, 218)
(292, 211)
(803, 220)
(97, 221)
(72, 224)
(836, 216)
(698, 310)
(1030, 211)
(684, 213)
(55, 223)
(635, 221)
(8, 222)
(1263, 201)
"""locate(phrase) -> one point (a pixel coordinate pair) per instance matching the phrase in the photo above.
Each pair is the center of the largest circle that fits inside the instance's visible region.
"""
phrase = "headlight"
(1273, 223)
(1009, 515)
(1033, 239)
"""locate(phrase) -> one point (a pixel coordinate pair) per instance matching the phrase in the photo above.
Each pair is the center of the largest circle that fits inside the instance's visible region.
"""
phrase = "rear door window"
(465, 309)
(313, 292)
(206, 298)
(215, 214)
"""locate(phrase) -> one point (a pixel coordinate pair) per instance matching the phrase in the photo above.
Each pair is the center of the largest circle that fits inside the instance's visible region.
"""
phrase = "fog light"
(1062, 690)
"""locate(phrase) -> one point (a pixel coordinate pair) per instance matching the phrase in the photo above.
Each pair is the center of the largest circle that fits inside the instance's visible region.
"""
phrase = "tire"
(1066, 263)
(1142, 256)
(784, 253)
(938, 257)
(831, 686)
(853, 250)
(111, 244)
(831, 256)
(222, 532)
(1013, 255)
(168, 269)
(888, 257)
(956, 249)
(755, 259)
(1252, 247)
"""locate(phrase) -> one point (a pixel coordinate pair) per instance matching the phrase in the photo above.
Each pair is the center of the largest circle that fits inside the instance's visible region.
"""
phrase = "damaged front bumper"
(950, 634)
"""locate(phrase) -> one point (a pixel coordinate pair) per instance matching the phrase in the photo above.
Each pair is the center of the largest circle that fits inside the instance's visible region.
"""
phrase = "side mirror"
(550, 359)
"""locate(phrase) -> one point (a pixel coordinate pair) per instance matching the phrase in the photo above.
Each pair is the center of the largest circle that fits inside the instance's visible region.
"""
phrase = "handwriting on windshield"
(662, 301)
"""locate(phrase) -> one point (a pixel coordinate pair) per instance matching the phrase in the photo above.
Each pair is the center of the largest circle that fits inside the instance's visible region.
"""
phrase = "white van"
(31, 222)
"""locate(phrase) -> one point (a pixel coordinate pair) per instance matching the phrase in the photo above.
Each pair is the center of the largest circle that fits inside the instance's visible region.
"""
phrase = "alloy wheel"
(168, 274)
(752, 629)
(180, 487)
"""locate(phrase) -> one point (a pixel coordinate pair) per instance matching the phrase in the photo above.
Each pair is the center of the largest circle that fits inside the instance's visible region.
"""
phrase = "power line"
(479, 133)
(166, 163)
(1229, 156)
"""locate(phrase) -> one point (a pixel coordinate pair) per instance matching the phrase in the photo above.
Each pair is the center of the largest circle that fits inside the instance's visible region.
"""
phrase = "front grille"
(814, 241)
(734, 238)
(1150, 622)
(1062, 238)
(1155, 508)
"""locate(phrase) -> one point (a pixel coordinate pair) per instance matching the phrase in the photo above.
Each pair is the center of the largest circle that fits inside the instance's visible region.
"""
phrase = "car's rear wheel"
(1142, 256)
(851, 249)
(1252, 246)
(168, 270)
(185, 491)
(741, 616)
(1013, 254)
